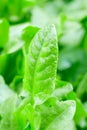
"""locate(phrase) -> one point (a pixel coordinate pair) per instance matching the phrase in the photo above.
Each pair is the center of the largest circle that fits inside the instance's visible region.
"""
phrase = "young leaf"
(42, 62)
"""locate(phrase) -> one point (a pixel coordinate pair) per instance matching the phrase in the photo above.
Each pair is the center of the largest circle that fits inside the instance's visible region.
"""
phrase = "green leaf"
(5, 91)
(21, 115)
(56, 115)
(42, 62)
(28, 34)
(33, 116)
(15, 41)
(62, 89)
(27, 117)
(4, 33)
(3, 61)
(16, 84)
(80, 111)
(7, 108)
(82, 87)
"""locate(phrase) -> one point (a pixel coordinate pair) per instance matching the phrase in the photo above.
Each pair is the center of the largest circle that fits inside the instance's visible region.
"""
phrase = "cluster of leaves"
(40, 60)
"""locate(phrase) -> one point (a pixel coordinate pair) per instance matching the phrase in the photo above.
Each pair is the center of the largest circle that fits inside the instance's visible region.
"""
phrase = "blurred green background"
(70, 19)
